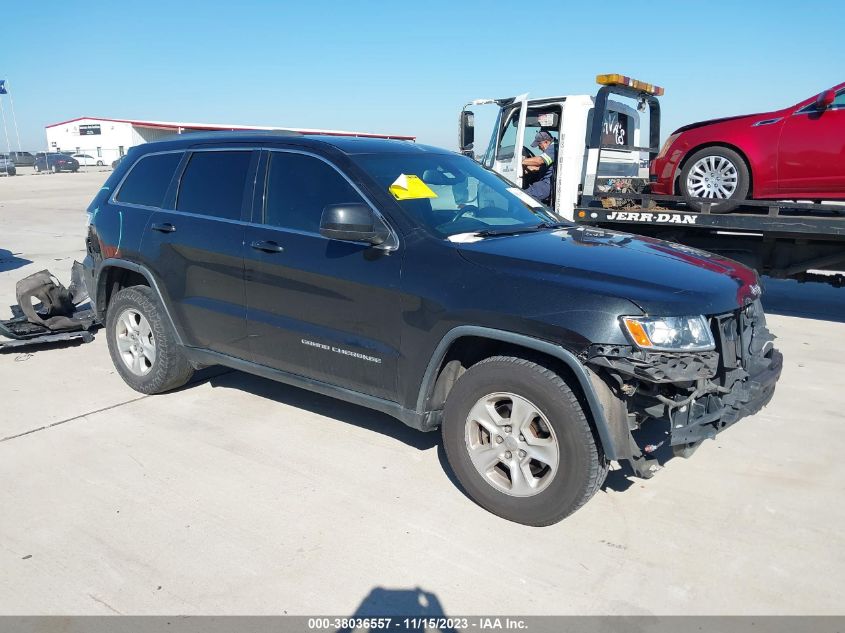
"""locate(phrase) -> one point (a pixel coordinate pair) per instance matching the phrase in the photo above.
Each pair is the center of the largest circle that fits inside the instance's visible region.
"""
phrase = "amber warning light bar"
(636, 84)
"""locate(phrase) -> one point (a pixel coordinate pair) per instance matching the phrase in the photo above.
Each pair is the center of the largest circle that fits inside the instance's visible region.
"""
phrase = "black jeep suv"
(413, 281)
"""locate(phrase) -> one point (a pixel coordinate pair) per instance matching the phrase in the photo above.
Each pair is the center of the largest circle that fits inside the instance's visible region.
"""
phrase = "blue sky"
(403, 68)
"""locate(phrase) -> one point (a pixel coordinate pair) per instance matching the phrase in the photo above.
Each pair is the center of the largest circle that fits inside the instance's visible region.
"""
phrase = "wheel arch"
(700, 146)
(114, 274)
(464, 346)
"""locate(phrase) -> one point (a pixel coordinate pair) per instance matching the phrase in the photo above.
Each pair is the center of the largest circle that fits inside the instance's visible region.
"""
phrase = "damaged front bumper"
(698, 394)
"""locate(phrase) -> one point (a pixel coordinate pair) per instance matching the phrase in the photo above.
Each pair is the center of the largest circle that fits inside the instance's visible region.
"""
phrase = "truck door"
(510, 140)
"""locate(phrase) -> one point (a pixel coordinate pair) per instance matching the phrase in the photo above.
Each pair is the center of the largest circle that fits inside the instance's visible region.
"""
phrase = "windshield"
(456, 194)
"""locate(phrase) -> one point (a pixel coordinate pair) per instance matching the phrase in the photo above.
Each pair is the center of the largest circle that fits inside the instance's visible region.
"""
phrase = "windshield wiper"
(513, 231)
(523, 229)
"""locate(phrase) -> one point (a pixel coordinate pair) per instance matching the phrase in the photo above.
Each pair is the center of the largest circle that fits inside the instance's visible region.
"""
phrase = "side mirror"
(825, 99)
(467, 131)
(352, 223)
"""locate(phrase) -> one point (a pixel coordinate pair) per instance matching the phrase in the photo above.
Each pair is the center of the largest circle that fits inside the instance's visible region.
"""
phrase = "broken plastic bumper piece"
(47, 312)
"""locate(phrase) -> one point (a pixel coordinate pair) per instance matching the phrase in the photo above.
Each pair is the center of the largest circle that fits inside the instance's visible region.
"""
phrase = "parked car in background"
(7, 166)
(88, 160)
(797, 153)
(55, 162)
(22, 159)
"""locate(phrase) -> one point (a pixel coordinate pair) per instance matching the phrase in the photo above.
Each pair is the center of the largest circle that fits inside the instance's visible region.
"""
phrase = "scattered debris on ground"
(47, 312)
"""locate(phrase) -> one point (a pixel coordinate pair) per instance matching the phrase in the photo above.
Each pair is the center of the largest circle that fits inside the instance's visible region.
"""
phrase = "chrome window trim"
(804, 110)
(113, 198)
(394, 236)
(202, 216)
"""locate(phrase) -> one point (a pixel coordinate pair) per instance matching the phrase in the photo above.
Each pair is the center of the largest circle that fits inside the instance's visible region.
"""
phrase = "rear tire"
(142, 344)
(535, 468)
(716, 173)
(99, 163)
(56, 169)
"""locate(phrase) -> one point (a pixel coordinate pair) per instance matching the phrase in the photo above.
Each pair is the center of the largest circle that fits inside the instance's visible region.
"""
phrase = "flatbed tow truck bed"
(781, 239)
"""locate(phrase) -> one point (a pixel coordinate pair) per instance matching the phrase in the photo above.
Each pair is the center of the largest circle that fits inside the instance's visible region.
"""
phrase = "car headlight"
(670, 334)
(667, 145)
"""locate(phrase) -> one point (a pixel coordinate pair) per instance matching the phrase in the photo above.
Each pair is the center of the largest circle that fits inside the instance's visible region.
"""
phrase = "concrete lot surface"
(237, 495)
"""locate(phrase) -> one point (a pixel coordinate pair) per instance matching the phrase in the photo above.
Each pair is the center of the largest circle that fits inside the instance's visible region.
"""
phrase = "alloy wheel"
(712, 177)
(135, 342)
(511, 444)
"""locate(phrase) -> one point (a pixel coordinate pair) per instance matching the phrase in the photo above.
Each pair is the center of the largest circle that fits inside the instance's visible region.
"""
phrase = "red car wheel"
(714, 174)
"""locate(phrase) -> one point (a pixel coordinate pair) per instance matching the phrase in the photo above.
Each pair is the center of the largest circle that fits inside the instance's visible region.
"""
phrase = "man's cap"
(540, 137)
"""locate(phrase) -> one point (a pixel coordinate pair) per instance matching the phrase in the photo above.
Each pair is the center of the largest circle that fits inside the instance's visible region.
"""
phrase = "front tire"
(142, 344)
(715, 173)
(519, 442)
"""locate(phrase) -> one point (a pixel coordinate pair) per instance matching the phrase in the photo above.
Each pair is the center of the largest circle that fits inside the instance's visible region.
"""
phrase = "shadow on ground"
(400, 604)
(655, 433)
(617, 480)
(10, 261)
(809, 300)
(326, 406)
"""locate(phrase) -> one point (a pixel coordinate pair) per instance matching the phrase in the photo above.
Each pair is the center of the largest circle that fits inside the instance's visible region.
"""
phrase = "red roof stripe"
(203, 126)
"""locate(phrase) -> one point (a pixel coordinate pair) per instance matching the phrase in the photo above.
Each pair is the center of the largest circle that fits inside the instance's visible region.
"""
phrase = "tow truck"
(602, 181)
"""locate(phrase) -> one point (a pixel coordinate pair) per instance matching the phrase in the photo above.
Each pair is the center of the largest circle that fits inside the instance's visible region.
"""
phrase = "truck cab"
(570, 122)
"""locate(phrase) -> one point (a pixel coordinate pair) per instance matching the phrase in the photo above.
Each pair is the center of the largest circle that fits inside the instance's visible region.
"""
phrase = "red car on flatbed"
(797, 153)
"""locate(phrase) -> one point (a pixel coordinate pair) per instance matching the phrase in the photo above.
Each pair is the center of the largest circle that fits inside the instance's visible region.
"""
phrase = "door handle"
(267, 246)
(166, 227)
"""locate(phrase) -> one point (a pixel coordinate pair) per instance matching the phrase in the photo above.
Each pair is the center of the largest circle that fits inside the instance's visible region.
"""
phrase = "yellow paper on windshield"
(410, 188)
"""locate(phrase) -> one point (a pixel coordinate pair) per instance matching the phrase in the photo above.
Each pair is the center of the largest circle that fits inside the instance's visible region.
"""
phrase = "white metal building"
(110, 138)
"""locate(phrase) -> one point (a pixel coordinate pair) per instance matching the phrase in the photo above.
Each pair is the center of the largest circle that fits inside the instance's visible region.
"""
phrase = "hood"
(662, 278)
(692, 126)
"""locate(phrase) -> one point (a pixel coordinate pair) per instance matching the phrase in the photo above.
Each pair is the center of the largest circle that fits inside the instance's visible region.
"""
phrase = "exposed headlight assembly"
(670, 334)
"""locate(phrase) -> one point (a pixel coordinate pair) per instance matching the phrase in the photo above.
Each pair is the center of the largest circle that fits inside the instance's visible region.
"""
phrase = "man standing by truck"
(544, 166)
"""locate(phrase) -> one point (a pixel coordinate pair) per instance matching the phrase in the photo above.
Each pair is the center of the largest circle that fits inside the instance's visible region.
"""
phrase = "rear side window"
(148, 180)
(213, 184)
(299, 187)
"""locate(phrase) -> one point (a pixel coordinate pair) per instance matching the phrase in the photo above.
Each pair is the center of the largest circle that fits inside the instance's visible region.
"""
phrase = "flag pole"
(14, 118)
(6, 132)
